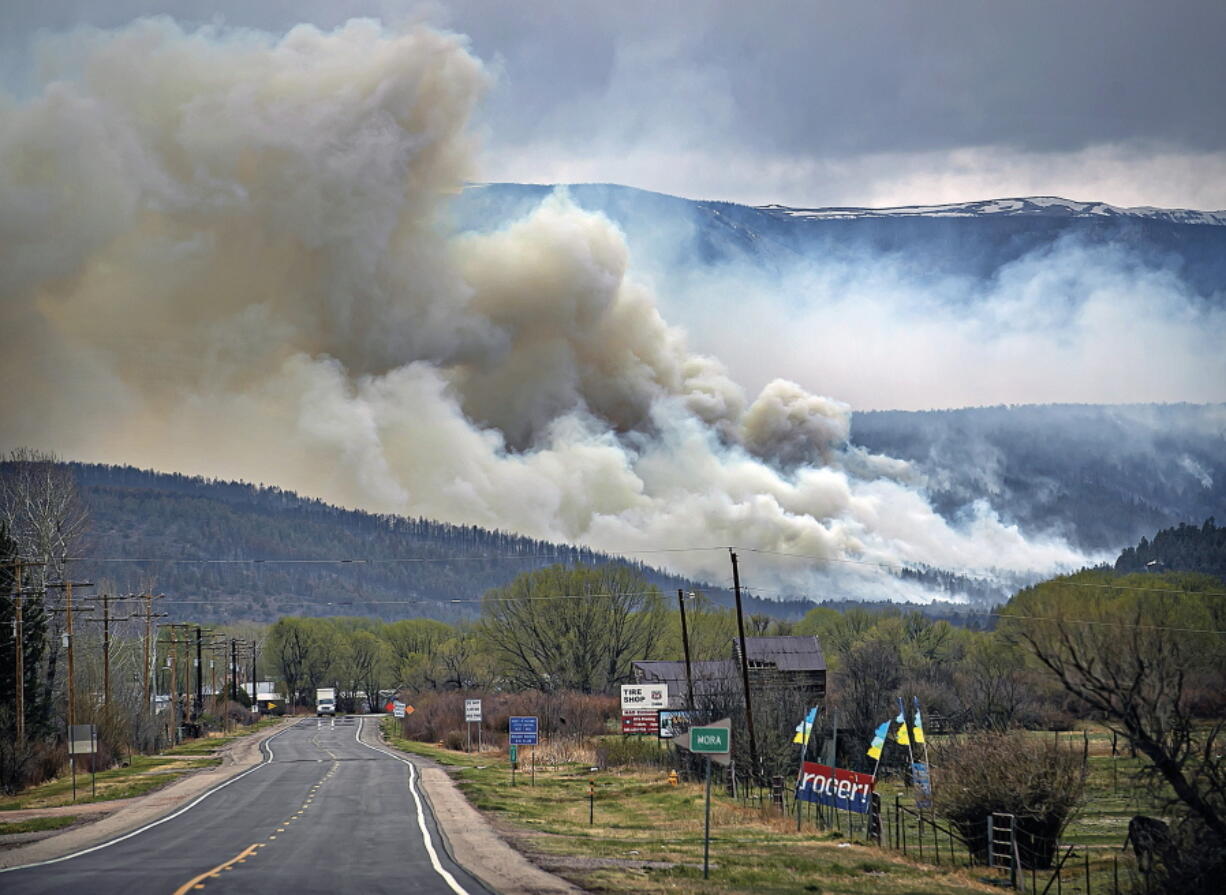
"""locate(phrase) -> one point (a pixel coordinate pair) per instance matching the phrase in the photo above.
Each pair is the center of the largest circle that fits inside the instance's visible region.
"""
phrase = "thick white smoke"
(225, 254)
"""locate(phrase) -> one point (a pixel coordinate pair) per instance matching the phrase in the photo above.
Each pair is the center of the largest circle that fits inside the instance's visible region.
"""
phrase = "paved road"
(324, 813)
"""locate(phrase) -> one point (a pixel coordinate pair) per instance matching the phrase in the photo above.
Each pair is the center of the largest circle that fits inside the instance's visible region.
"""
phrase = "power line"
(1087, 621)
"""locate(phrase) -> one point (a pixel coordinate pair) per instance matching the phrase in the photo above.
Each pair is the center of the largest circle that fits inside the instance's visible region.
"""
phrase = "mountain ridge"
(1051, 206)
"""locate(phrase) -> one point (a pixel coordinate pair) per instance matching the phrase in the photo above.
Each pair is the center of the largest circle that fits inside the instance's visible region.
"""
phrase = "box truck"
(325, 701)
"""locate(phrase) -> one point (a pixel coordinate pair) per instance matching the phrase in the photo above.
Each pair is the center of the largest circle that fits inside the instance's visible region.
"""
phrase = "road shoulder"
(470, 839)
(131, 814)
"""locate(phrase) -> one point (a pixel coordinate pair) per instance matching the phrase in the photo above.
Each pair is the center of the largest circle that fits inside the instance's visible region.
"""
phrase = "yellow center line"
(192, 883)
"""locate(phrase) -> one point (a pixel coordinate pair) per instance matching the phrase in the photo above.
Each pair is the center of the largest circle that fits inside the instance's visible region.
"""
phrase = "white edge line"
(421, 814)
(192, 804)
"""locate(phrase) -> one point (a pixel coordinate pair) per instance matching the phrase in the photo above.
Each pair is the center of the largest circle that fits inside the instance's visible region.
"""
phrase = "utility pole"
(255, 683)
(19, 652)
(234, 669)
(106, 653)
(72, 716)
(685, 643)
(72, 689)
(107, 618)
(174, 642)
(740, 627)
(149, 597)
(198, 705)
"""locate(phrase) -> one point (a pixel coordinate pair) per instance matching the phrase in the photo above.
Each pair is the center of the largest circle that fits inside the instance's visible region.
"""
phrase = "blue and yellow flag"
(805, 728)
(917, 729)
(874, 751)
(901, 721)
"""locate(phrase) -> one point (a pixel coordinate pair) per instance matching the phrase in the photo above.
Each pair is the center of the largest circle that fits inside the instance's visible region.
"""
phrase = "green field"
(642, 834)
(646, 835)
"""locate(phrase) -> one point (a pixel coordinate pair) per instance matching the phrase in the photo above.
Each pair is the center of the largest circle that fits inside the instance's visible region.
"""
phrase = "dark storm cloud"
(805, 101)
(818, 77)
(837, 78)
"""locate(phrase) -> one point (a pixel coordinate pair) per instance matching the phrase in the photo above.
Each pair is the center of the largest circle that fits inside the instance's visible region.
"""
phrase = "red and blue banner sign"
(835, 787)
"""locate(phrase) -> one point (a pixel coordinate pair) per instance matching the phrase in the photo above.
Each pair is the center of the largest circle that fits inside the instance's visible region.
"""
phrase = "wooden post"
(72, 718)
(706, 830)
(106, 653)
(754, 769)
(685, 645)
(19, 653)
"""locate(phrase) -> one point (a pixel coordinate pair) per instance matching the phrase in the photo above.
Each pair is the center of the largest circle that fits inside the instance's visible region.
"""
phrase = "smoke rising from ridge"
(223, 253)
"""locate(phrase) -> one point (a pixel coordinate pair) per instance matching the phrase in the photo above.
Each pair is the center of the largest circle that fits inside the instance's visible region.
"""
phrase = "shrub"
(1033, 778)
(620, 751)
(566, 719)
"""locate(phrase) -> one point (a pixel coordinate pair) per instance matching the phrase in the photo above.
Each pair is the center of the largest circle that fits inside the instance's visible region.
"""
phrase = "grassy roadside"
(144, 773)
(647, 835)
(38, 824)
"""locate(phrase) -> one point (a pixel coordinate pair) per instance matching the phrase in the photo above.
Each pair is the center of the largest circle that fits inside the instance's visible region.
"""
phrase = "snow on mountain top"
(1053, 206)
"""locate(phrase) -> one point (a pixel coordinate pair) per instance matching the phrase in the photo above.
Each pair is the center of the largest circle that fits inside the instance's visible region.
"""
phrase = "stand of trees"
(1184, 548)
(1146, 654)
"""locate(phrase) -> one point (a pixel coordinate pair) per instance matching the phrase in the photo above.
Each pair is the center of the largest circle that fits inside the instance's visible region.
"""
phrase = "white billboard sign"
(636, 697)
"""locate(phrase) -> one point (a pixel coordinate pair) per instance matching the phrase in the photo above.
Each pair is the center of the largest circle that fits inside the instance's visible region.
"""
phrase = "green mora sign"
(710, 739)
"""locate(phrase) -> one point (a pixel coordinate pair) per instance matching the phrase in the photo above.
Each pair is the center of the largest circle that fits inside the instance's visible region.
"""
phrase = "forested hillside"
(1185, 548)
(1101, 476)
(253, 552)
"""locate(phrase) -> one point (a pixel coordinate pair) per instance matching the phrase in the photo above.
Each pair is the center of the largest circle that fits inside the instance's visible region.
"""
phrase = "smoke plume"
(224, 253)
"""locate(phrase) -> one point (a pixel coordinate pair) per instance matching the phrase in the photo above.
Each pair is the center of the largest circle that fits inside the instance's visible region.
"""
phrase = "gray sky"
(810, 102)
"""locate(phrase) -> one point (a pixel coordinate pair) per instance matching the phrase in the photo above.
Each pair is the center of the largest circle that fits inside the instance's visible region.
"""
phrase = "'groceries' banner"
(845, 790)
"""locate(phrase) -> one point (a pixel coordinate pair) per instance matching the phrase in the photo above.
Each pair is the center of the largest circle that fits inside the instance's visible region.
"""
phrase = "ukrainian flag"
(918, 727)
(874, 751)
(901, 720)
(805, 728)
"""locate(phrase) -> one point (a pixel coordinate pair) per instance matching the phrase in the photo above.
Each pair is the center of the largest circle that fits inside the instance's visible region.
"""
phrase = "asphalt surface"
(324, 812)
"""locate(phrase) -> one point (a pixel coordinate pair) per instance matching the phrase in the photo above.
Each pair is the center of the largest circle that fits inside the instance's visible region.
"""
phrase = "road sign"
(81, 739)
(514, 753)
(524, 730)
(639, 697)
(398, 709)
(706, 747)
(715, 740)
(472, 710)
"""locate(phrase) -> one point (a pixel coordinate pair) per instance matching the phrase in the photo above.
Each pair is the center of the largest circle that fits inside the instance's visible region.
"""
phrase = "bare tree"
(572, 628)
(46, 518)
(863, 690)
(1138, 656)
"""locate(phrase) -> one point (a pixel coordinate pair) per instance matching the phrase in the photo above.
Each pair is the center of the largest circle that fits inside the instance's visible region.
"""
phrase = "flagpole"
(915, 703)
(806, 733)
(927, 765)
